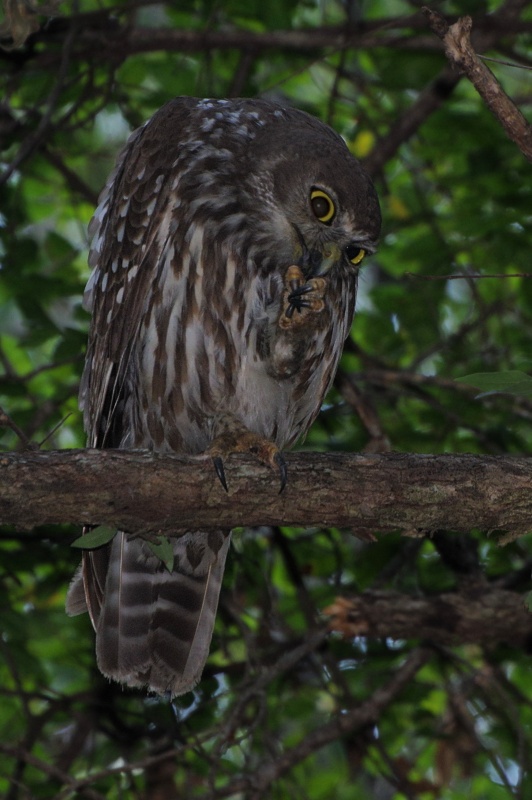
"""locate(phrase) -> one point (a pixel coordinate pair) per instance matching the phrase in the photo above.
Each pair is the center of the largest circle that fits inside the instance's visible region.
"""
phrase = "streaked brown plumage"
(225, 252)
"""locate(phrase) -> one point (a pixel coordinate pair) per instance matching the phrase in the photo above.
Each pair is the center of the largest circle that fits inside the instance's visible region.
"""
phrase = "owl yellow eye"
(354, 253)
(322, 205)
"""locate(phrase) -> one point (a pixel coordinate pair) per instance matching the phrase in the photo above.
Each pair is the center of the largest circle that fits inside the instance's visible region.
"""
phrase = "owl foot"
(301, 298)
(246, 442)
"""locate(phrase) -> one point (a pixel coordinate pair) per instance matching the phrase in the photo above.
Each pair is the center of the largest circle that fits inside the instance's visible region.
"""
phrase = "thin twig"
(428, 101)
(34, 140)
(51, 771)
(349, 721)
(467, 276)
(72, 178)
(505, 63)
(7, 422)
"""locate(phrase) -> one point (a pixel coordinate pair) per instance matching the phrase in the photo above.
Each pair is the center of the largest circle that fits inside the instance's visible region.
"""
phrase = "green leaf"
(164, 551)
(512, 382)
(95, 538)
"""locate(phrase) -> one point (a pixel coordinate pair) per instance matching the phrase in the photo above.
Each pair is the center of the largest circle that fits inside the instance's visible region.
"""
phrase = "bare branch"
(72, 179)
(482, 615)
(49, 770)
(139, 491)
(7, 422)
(33, 141)
(428, 101)
(102, 32)
(349, 721)
(460, 52)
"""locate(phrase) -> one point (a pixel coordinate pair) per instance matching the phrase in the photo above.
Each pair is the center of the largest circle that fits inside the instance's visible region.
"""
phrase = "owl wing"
(125, 249)
(130, 234)
(153, 627)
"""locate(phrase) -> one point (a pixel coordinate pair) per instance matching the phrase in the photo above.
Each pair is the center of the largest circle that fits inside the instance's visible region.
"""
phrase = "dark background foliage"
(281, 711)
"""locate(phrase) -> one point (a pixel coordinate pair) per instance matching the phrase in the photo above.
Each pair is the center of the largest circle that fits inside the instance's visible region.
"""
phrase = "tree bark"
(482, 614)
(103, 33)
(460, 52)
(138, 491)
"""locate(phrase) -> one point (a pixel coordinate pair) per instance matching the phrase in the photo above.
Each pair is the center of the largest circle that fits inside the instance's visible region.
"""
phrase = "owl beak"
(325, 259)
(316, 262)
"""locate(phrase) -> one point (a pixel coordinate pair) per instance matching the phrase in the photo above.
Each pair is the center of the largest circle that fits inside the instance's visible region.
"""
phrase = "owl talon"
(301, 295)
(299, 287)
(220, 471)
(296, 299)
(230, 441)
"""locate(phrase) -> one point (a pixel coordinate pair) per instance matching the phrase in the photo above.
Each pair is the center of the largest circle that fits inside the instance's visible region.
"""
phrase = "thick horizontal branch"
(117, 41)
(139, 491)
(104, 33)
(481, 615)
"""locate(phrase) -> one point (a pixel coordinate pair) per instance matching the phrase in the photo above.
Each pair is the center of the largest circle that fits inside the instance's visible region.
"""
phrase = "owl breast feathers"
(225, 252)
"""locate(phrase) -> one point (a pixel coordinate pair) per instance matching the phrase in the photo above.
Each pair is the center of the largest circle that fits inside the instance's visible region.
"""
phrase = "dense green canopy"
(433, 700)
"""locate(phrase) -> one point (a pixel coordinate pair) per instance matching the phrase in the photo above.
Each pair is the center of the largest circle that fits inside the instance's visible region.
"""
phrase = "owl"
(225, 252)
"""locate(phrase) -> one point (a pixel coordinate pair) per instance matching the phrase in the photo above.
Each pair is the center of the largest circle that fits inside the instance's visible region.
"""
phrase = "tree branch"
(102, 32)
(349, 721)
(460, 52)
(139, 491)
(428, 101)
(433, 96)
(481, 614)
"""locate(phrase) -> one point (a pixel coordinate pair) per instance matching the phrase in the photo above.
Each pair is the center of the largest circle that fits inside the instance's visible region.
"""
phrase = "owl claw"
(244, 441)
(219, 467)
(296, 299)
(301, 295)
(298, 288)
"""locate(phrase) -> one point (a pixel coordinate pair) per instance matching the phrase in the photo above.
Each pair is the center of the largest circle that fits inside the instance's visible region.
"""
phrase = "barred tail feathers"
(155, 627)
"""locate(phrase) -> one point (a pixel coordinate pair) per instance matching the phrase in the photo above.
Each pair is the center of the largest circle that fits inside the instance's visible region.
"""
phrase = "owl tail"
(153, 627)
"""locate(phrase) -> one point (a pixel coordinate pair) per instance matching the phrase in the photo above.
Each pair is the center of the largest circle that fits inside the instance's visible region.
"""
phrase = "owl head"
(315, 199)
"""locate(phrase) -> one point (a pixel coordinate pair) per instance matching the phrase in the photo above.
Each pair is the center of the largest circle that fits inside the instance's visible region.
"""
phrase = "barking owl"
(225, 253)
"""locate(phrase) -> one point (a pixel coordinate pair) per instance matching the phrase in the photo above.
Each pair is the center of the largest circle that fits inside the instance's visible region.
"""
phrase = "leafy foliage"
(512, 381)
(457, 209)
(96, 537)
